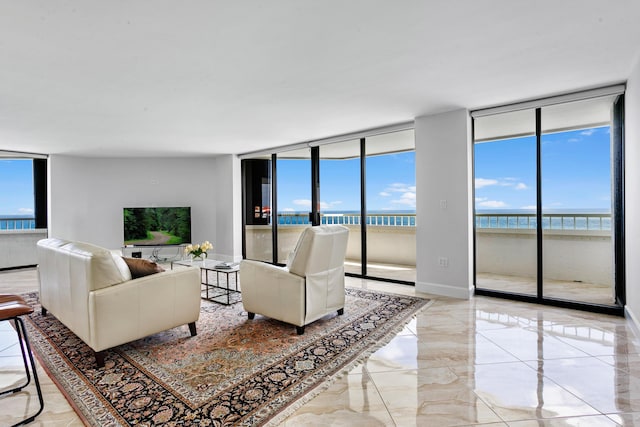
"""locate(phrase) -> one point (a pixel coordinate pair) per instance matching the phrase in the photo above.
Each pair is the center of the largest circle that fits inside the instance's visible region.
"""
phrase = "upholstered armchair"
(309, 287)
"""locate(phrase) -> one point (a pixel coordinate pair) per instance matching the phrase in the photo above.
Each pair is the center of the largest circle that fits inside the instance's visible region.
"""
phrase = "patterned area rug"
(234, 372)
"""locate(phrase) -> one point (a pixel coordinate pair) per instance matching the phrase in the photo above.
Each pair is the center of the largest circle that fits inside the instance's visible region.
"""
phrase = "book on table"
(226, 265)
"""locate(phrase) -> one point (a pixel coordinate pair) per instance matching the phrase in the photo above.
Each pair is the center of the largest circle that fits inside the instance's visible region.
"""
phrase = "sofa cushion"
(141, 267)
(125, 271)
(87, 257)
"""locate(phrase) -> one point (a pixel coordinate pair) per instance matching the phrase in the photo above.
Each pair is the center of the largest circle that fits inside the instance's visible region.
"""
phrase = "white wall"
(443, 175)
(18, 247)
(632, 192)
(570, 255)
(228, 208)
(86, 196)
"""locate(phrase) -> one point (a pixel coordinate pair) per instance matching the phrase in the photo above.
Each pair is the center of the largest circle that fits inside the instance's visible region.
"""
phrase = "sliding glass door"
(505, 200)
(340, 201)
(391, 206)
(545, 222)
(577, 199)
(293, 186)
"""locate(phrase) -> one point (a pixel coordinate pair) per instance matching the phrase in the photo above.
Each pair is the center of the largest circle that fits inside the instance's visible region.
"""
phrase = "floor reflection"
(459, 362)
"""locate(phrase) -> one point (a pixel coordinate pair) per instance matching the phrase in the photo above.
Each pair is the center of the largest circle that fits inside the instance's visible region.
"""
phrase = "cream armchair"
(308, 288)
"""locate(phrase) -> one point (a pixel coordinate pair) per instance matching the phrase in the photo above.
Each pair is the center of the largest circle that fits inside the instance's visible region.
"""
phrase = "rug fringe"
(325, 385)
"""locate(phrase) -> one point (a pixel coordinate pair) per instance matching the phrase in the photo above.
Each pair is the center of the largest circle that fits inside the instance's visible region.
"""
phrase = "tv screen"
(157, 226)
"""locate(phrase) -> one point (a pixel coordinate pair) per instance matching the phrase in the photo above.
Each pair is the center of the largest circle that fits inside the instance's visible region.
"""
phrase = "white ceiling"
(174, 78)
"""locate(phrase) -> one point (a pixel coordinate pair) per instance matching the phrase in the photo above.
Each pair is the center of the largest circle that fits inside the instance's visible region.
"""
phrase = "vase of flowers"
(198, 251)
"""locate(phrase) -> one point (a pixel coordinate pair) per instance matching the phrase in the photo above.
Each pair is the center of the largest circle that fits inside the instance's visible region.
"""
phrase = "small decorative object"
(198, 252)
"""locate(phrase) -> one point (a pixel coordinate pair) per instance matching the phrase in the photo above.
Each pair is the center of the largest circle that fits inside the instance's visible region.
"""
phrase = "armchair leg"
(340, 311)
(251, 315)
(99, 358)
(192, 329)
(300, 330)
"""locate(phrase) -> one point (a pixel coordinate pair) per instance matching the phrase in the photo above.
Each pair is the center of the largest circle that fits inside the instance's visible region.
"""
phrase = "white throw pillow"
(122, 266)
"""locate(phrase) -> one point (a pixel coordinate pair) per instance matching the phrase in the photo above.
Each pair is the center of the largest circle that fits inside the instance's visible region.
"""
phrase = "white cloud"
(530, 207)
(407, 199)
(588, 132)
(492, 204)
(398, 187)
(503, 182)
(288, 210)
(407, 194)
(483, 182)
(25, 210)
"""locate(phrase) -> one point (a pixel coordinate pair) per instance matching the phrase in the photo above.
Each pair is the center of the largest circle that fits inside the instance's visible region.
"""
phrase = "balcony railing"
(17, 223)
(390, 219)
(550, 221)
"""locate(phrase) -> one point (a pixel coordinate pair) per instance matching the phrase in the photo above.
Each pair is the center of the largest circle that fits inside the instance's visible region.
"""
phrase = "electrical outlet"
(443, 204)
(443, 262)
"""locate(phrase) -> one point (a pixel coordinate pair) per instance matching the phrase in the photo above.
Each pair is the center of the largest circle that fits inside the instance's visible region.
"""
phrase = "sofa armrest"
(272, 291)
(143, 306)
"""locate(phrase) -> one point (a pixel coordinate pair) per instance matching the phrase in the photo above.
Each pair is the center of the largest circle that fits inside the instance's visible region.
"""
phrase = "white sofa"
(90, 290)
(308, 288)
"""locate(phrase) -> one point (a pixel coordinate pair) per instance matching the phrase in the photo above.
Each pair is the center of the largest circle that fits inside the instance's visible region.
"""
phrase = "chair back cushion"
(319, 248)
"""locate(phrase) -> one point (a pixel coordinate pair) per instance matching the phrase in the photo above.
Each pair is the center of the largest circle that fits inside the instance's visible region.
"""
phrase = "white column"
(444, 204)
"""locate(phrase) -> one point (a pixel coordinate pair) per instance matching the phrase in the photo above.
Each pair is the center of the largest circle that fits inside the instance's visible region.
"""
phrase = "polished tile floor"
(481, 361)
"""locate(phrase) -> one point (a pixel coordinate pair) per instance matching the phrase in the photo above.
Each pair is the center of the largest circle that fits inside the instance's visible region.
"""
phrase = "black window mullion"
(274, 209)
(363, 207)
(315, 186)
(40, 192)
(539, 236)
(618, 204)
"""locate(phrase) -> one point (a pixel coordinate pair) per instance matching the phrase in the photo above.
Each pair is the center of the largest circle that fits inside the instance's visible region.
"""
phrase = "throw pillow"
(123, 268)
(141, 267)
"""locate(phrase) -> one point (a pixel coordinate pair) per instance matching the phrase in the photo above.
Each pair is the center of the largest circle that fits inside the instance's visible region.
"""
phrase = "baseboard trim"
(444, 290)
(633, 320)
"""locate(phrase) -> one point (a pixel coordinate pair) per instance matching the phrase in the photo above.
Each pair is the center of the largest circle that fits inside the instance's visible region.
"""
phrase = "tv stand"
(157, 254)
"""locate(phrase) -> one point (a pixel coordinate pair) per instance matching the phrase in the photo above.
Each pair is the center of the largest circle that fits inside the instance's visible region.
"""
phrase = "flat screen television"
(157, 226)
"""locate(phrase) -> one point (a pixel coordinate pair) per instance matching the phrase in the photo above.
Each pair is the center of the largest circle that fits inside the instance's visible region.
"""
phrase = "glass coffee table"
(216, 291)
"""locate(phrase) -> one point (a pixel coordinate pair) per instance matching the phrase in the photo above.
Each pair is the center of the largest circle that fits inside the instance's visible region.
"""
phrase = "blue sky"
(576, 171)
(391, 184)
(16, 187)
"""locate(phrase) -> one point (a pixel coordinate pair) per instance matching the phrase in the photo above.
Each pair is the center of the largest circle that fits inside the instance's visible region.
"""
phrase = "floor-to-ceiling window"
(340, 201)
(576, 190)
(505, 201)
(23, 191)
(391, 206)
(547, 203)
(365, 183)
(293, 187)
(257, 206)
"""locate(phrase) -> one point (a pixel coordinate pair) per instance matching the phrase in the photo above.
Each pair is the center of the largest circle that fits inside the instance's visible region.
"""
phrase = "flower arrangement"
(198, 251)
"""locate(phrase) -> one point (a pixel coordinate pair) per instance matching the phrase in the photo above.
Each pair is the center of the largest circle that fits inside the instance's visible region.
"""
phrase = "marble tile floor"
(482, 361)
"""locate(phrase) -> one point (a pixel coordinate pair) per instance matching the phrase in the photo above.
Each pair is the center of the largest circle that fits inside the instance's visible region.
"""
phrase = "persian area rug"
(234, 372)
